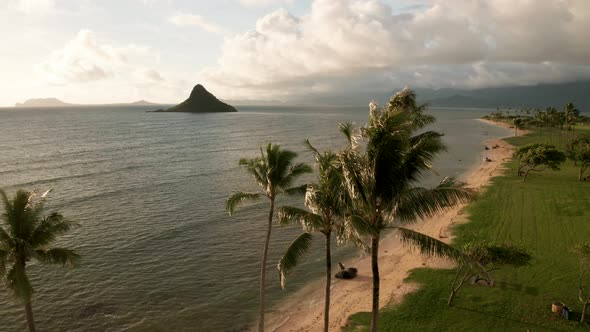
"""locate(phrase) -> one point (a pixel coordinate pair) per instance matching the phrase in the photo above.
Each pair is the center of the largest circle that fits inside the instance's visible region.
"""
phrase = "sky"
(108, 51)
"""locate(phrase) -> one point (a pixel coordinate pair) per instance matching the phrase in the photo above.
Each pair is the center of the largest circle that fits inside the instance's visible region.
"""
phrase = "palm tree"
(27, 234)
(382, 174)
(571, 116)
(327, 202)
(274, 172)
(518, 124)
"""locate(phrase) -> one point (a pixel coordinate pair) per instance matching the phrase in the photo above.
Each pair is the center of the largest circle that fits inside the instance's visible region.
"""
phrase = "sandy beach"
(304, 310)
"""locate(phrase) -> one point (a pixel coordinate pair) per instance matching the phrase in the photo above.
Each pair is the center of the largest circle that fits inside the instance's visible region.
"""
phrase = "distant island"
(54, 102)
(200, 101)
(43, 102)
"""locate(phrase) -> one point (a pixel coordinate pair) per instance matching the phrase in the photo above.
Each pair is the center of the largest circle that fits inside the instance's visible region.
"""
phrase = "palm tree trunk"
(375, 268)
(263, 268)
(30, 319)
(328, 284)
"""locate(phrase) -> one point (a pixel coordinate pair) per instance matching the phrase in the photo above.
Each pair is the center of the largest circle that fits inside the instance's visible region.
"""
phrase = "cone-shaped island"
(200, 101)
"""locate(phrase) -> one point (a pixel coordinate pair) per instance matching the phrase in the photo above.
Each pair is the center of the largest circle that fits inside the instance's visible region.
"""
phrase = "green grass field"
(549, 214)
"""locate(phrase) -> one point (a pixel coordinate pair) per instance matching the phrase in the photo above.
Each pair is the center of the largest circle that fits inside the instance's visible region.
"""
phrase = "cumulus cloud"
(263, 2)
(463, 43)
(85, 59)
(35, 7)
(198, 21)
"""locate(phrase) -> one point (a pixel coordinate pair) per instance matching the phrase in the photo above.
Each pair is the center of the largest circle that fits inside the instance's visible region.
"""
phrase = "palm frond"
(294, 253)
(299, 190)
(421, 203)
(309, 221)
(427, 245)
(361, 225)
(257, 168)
(310, 147)
(49, 228)
(423, 150)
(352, 167)
(3, 261)
(238, 198)
(295, 172)
(280, 162)
(18, 282)
(58, 256)
(347, 128)
(5, 238)
(347, 233)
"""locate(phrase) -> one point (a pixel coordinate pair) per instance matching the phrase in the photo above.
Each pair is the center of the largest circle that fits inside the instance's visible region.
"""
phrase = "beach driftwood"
(346, 273)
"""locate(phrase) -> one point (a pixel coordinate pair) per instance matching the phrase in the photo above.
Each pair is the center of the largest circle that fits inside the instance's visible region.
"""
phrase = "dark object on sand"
(488, 159)
(346, 273)
(486, 147)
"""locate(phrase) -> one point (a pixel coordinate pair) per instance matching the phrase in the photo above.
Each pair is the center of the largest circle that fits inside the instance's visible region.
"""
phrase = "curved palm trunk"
(30, 319)
(263, 268)
(375, 268)
(328, 283)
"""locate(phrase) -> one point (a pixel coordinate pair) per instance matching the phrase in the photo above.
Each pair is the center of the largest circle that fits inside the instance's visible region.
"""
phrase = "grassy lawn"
(549, 214)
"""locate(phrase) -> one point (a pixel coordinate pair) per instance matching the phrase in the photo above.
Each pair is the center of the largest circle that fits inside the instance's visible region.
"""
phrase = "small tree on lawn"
(578, 150)
(537, 157)
(481, 258)
(583, 252)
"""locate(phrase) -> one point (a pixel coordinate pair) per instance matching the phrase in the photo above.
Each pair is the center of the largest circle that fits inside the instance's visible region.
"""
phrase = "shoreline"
(395, 261)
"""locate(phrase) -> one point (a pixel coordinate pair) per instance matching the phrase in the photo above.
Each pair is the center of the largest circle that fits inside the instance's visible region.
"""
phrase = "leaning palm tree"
(382, 168)
(27, 234)
(327, 203)
(274, 172)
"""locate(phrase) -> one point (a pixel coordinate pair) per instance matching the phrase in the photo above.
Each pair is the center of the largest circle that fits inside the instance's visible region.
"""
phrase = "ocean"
(159, 251)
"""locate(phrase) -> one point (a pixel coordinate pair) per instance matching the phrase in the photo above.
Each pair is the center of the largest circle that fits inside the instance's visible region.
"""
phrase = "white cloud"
(36, 6)
(85, 59)
(467, 43)
(198, 21)
(263, 2)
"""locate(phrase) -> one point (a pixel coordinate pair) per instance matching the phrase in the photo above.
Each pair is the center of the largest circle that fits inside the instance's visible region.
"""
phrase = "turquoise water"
(159, 251)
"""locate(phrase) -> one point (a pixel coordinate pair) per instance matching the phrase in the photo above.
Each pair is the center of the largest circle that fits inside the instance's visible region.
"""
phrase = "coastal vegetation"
(537, 157)
(275, 172)
(547, 216)
(327, 202)
(578, 150)
(382, 167)
(27, 234)
(480, 258)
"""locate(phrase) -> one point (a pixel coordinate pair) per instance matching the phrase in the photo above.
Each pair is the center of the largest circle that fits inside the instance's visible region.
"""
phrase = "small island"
(200, 101)
(43, 102)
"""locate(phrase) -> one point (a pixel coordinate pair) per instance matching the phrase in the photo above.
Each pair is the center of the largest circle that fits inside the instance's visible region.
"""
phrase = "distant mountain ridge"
(540, 95)
(54, 102)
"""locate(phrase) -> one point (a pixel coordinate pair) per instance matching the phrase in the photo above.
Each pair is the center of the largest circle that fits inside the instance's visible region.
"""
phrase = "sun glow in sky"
(91, 51)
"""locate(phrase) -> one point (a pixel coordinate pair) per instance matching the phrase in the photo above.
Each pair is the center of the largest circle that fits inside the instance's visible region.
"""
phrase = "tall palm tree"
(571, 116)
(326, 202)
(27, 234)
(275, 173)
(518, 124)
(381, 170)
